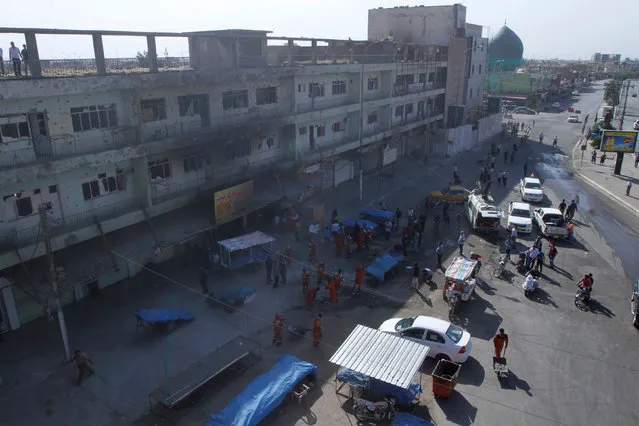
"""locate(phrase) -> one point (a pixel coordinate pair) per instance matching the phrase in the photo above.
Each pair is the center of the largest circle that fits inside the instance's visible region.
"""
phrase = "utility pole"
(620, 155)
(44, 224)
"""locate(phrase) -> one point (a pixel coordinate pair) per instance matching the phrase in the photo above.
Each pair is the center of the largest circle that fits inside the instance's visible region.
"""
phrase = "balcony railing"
(64, 146)
(161, 192)
(60, 226)
(53, 68)
(405, 89)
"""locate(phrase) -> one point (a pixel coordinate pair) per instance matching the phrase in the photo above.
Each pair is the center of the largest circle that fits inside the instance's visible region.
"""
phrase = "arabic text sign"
(618, 141)
(233, 202)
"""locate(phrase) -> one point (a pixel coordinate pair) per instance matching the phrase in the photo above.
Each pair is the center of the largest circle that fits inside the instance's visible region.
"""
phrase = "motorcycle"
(529, 285)
(583, 296)
(499, 269)
(369, 410)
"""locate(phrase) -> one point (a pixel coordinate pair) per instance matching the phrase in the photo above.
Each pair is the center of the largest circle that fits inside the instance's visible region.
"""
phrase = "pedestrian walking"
(84, 365)
(359, 277)
(398, 216)
(327, 234)
(504, 178)
(499, 176)
(306, 281)
(512, 157)
(602, 159)
(317, 329)
(310, 297)
(269, 269)
(204, 281)
(332, 290)
(552, 254)
(460, 242)
(505, 157)
(513, 235)
(320, 272)
(283, 269)
(508, 247)
(636, 155)
(628, 187)
(415, 279)
(416, 239)
(526, 168)
(278, 325)
(14, 57)
(439, 251)
(388, 228)
(540, 261)
(570, 210)
(593, 157)
(533, 123)
(298, 228)
(501, 342)
(538, 242)
(25, 59)
(562, 208)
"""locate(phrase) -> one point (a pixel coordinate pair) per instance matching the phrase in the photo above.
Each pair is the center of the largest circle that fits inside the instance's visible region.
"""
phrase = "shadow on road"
(458, 410)
(472, 373)
(512, 382)
(479, 317)
(542, 296)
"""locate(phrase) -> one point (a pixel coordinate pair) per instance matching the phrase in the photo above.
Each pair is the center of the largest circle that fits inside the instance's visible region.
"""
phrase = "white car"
(573, 119)
(445, 340)
(530, 189)
(520, 217)
(556, 105)
(575, 93)
(636, 125)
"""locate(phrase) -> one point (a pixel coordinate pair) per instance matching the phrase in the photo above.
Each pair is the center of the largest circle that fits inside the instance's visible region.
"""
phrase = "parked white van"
(482, 212)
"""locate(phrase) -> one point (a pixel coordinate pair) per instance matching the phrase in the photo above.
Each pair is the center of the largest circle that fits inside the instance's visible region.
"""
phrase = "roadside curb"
(597, 186)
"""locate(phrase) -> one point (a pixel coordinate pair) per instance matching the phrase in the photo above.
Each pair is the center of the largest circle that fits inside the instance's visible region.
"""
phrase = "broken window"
(266, 95)
(193, 164)
(160, 169)
(339, 87)
(315, 90)
(153, 110)
(93, 117)
(371, 118)
(24, 207)
(103, 184)
(189, 105)
(373, 83)
(339, 126)
(15, 131)
(235, 99)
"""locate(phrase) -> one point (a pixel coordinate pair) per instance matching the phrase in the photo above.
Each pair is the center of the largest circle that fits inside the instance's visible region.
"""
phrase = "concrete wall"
(457, 80)
(428, 25)
(478, 63)
(465, 138)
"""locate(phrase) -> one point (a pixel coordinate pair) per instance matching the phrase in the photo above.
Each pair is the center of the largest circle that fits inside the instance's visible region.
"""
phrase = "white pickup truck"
(551, 222)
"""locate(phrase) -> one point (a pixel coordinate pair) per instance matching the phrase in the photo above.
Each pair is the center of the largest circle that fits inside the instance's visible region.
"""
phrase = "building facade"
(116, 163)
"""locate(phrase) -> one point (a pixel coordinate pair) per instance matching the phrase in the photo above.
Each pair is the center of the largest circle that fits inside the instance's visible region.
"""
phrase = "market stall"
(246, 249)
(383, 266)
(460, 278)
(377, 216)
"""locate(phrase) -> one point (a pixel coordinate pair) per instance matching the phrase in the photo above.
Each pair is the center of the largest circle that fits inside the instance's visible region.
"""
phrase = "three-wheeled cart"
(460, 278)
(445, 377)
(248, 249)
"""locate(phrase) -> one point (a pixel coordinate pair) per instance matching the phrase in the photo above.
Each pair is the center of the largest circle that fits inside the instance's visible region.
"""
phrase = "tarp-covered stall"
(379, 388)
(380, 266)
(363, 223)
(245, 249)
(264, 393)
(407, 419)
(375, 215)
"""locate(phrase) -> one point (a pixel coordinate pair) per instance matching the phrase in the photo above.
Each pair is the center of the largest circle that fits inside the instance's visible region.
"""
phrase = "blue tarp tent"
(383, 264)
(264, 393)
(379, 388)
(153, 316)
(363, 223)
(406, 419)
(377, 214)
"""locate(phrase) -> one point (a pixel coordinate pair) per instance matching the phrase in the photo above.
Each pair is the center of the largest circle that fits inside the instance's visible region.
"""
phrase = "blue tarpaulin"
(383, 264)
(363, 223)
(377, 214)
(379, 388)
(153, 316)
(406, 419)
(264, 393)
(231, 294)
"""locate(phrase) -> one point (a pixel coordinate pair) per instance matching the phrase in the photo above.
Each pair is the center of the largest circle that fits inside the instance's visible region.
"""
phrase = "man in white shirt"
(1, 62)
(14, 57)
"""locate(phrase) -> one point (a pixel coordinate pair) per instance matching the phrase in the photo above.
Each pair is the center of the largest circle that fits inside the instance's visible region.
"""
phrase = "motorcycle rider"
(554, 141)
(586, 283)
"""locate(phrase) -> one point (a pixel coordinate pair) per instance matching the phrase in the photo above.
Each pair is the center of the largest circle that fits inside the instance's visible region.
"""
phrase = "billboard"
(233, 202)
(618, 141)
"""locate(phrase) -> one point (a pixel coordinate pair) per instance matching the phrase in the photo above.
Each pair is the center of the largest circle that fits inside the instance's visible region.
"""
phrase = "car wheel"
(439, 357)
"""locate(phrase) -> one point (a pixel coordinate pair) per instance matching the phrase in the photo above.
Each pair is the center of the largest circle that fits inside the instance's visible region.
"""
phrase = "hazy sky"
(569, 29)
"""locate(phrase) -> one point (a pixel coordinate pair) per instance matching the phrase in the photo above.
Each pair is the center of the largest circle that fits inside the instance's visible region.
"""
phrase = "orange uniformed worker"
(332, 291)
(339, 244)
(359, 276)
(310, 296)
(312, 250)
(317, 329)
(288, 255)
(277, 330)
(501, 342)
(360, 240)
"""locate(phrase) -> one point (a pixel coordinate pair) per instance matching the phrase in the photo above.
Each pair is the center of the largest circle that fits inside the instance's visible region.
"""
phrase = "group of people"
(17, 58)
(280, 324)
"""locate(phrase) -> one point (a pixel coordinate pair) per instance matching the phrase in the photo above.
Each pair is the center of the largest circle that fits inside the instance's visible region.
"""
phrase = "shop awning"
(382, 356)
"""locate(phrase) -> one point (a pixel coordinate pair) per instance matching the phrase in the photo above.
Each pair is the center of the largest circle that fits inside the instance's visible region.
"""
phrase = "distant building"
(596, 57)
(505, 51)
(604, 58)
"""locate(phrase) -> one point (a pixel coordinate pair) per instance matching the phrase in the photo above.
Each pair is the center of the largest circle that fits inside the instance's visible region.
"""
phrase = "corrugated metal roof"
(383, 356)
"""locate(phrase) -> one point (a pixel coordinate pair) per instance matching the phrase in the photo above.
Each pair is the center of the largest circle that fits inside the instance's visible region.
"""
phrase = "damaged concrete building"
(115, 164)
